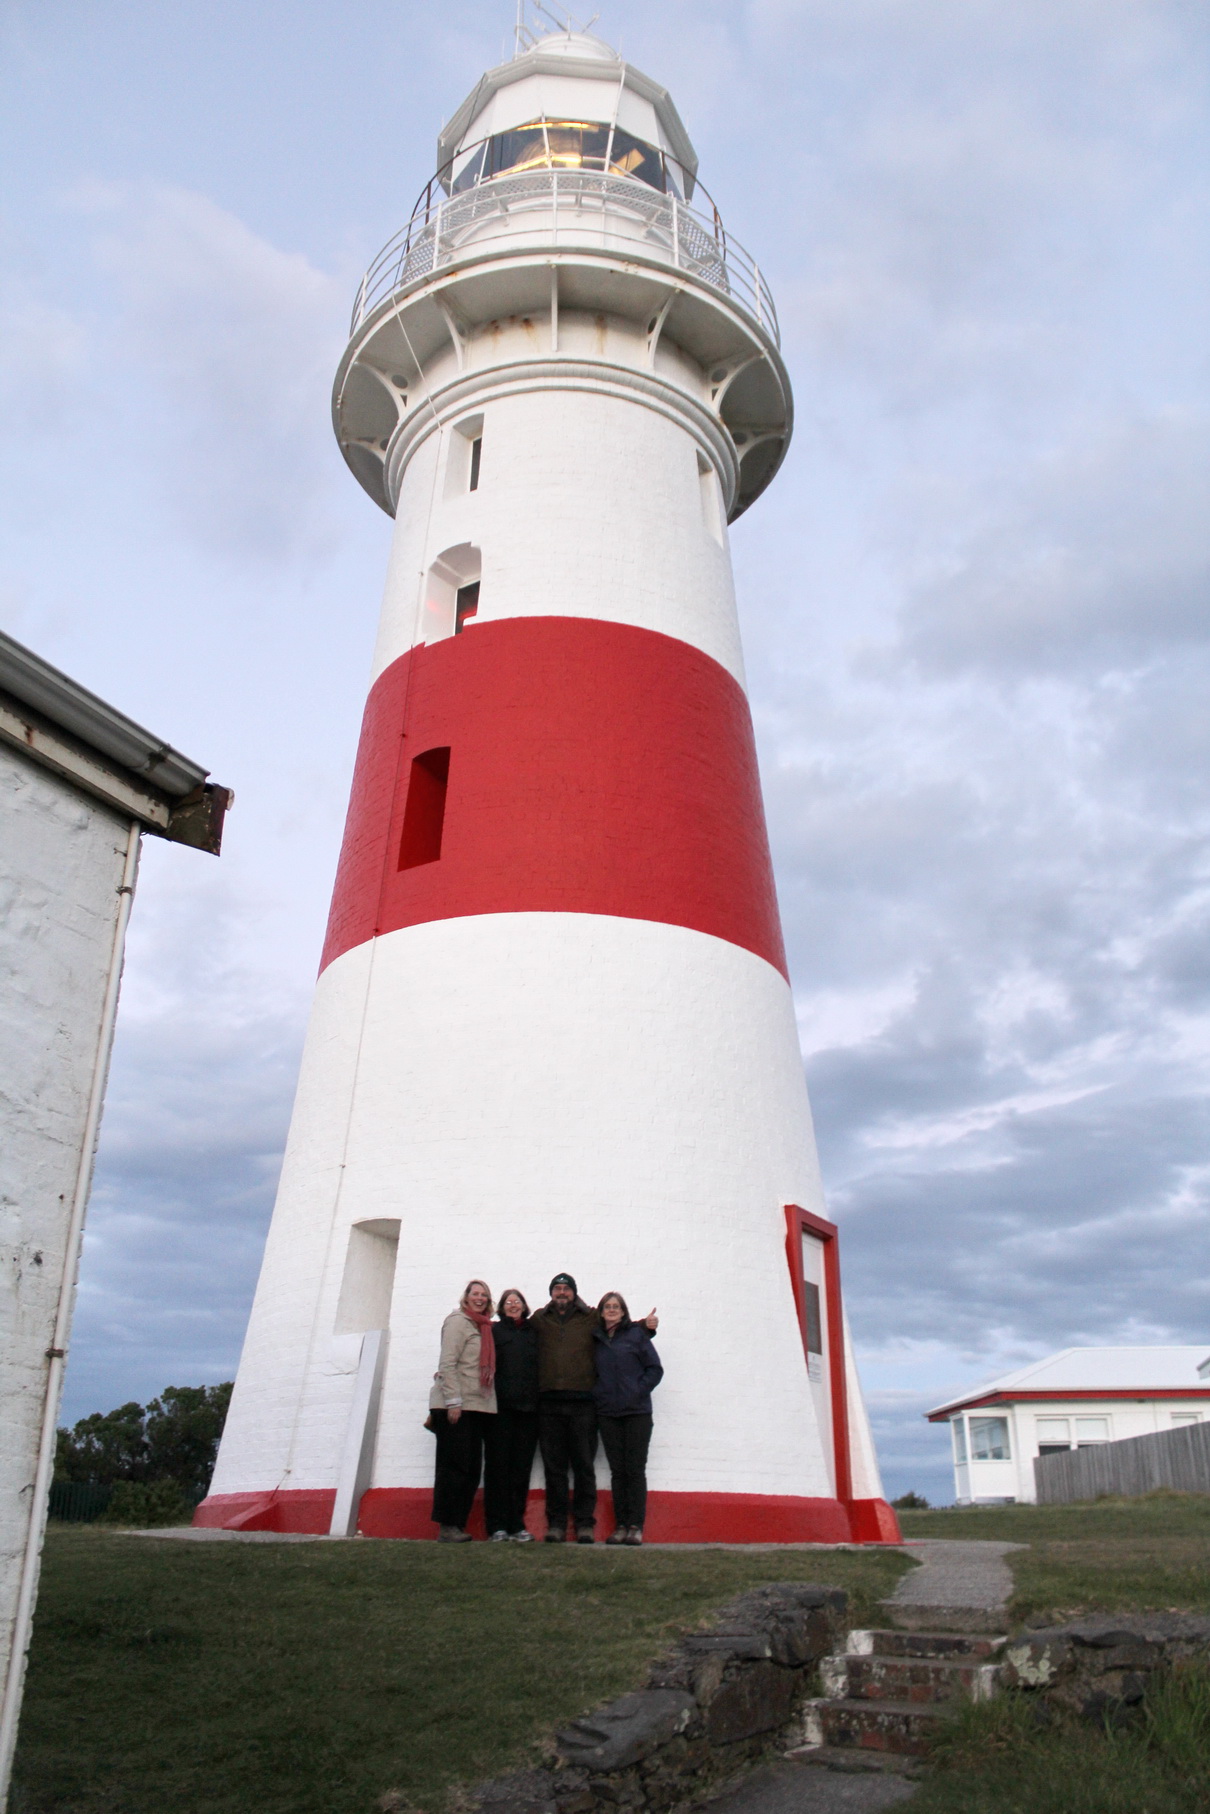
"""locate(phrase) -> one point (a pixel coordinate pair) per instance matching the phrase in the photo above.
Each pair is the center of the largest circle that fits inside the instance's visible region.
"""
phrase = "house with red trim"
(1069, 1400)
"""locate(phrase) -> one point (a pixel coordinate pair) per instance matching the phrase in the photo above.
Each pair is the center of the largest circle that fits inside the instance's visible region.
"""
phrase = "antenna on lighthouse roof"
(560, 17)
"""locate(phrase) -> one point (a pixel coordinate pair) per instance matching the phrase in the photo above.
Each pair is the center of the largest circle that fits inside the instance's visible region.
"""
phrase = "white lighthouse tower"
(553, 1026)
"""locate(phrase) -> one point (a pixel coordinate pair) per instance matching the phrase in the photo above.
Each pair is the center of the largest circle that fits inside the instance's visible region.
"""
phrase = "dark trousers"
(512, 1437)
(627, 1440)
(567, 1431)
(459, 1462)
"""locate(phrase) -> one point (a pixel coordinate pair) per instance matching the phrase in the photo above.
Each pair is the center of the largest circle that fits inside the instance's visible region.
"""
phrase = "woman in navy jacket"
(628, 1369)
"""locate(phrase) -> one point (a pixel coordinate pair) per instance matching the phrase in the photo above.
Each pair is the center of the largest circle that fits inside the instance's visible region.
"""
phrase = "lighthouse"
(553, 1025)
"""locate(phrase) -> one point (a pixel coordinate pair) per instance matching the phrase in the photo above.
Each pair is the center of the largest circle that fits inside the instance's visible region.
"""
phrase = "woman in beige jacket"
(462, 1400)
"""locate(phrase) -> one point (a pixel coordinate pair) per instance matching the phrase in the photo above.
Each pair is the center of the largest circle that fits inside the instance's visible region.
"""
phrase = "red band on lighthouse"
(560, 765)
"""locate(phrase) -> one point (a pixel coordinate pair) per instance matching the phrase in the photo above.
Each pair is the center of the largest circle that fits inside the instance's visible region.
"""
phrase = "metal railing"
(564, 209)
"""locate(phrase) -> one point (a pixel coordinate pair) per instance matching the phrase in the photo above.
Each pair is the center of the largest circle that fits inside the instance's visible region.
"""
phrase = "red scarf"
(487, 1346)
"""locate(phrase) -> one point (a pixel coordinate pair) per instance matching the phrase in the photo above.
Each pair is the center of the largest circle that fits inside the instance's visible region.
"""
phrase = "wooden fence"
(1178, 1458)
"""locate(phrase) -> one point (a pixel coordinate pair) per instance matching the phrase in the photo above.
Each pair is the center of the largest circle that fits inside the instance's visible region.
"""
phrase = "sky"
(974, 607)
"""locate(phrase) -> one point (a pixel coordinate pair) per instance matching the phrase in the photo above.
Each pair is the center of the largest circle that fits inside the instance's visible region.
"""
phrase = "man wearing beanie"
(567, 1417)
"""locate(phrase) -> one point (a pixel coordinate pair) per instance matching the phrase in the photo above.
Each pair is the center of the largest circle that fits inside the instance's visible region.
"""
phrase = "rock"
(758, 1700)
(627, 1730)
(523, 1792)
(1100, 1666)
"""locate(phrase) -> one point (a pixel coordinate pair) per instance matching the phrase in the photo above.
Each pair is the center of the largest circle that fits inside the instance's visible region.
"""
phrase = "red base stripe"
(671, 1517)
(593, 768)
(306, 1511)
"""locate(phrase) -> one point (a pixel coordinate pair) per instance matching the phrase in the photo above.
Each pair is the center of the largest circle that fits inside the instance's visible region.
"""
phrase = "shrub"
(911, 1502)
(144, 1503)
(174, 1438)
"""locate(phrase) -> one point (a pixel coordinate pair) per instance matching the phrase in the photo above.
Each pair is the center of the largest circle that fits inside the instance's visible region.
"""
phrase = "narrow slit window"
(814, 1319)
(424, 809)
(467, 603)
(476, 456)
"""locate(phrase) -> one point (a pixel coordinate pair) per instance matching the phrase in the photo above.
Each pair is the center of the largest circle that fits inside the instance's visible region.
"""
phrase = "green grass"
(320, 1678)
(1111, 1555)
(998, 1759)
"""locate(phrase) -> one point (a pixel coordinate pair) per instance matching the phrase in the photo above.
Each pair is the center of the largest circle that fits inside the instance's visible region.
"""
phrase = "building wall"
(61, 864)
(1028, 1423)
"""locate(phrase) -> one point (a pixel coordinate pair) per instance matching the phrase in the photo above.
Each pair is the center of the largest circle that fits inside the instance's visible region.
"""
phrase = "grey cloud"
(231, 343)
(1102, 561)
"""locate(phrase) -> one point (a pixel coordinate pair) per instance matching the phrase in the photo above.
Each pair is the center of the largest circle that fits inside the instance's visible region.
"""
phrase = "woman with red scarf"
(462, 1400)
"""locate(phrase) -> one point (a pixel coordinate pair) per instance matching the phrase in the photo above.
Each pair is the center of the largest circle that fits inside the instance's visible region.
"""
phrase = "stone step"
(950, 1645)
(903, 1727)
(854, 1761)
(921, 1680)
(923, 1616)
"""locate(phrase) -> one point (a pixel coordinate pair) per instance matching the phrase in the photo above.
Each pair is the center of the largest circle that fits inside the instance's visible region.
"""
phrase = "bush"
(911, 1502)
(144, 1503)
(174, 1438)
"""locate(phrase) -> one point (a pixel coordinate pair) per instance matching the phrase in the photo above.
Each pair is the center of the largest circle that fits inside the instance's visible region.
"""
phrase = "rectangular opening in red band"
(424, 813)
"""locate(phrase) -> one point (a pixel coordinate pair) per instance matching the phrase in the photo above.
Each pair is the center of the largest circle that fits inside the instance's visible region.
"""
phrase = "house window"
(958, 1426)
(989, 1439)
(1185, 1416)
(424, 809)
(1090, 1430)
(476, 456)
(1054, 1435)
(466, 604)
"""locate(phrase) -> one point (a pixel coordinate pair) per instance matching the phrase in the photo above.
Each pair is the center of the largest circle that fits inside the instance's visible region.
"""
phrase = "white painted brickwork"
(587, 506)
(528, 1092)
(61, 864)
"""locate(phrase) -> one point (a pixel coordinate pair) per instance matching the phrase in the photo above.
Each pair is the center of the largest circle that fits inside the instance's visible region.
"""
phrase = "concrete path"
(787, 1787)
(186, 1533)
(961, 1585)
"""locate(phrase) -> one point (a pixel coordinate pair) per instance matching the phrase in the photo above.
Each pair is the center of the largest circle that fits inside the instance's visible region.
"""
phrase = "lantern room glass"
(569, 145)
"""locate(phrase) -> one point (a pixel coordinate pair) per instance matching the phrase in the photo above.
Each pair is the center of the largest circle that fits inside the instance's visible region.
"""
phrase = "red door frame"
(798, 1222)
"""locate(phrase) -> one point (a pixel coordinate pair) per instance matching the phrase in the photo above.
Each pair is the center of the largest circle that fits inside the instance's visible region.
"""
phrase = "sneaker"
(620, 1535)
(521, 1537)
(585, 1534)
(449, 1533)
(499, 1537)
(634, 1536)
(554, 1536)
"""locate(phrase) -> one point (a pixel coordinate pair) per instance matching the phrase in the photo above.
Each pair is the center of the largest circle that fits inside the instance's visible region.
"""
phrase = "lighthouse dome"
(577, 44)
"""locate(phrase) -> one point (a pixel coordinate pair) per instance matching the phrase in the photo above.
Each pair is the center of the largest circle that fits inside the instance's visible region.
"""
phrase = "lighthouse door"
(814, 1320)
(813, 1250)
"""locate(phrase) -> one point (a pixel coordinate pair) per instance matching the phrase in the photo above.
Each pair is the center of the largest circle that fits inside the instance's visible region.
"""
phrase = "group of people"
(555, 1379)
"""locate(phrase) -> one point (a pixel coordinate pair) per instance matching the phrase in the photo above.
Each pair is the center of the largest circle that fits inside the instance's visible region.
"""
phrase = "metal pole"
(57, 1352)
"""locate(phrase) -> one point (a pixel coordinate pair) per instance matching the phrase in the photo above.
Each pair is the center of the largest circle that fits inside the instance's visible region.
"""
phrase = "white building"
(1068, 1401)
(79, 785)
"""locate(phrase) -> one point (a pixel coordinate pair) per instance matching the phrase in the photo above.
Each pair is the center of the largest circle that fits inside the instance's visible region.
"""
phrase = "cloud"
(1102, 560)
(231, 343)
(201, 1082)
